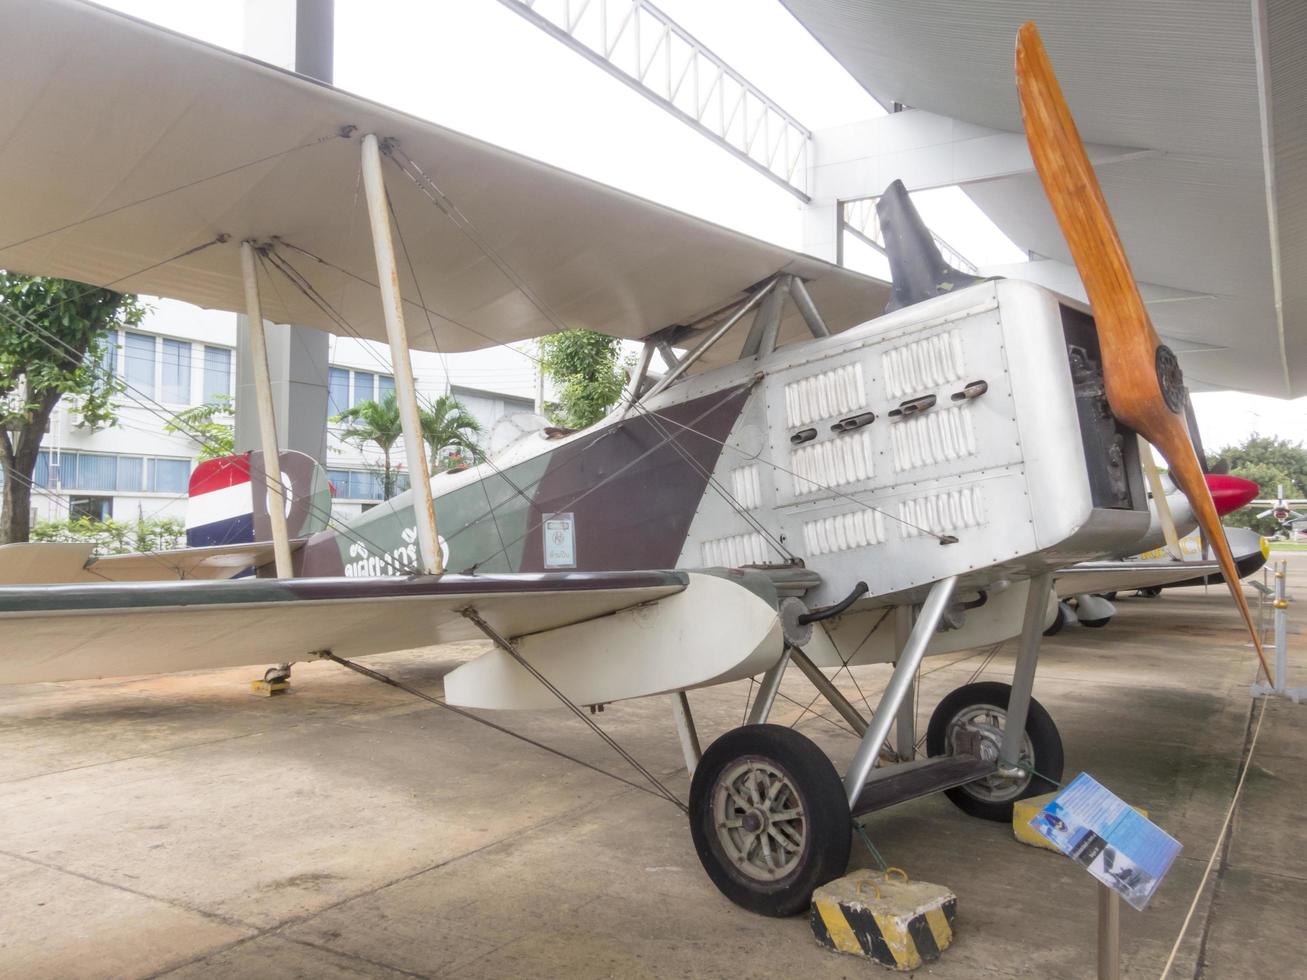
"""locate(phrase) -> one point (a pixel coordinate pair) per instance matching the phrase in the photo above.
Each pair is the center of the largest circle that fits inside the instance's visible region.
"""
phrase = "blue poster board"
(1108, 838)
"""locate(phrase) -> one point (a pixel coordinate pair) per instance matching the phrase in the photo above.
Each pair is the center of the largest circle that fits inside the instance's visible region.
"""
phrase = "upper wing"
(51, 633)
(123, 146)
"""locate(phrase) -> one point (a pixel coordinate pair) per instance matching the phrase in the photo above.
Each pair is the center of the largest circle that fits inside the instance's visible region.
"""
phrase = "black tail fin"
(917, 269)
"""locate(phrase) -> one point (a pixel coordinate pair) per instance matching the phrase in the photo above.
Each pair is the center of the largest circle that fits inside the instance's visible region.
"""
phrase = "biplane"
(803, 456)
(1281, 509)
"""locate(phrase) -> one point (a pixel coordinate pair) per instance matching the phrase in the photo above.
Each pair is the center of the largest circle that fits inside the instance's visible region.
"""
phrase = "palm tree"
(375, 422)
(447, 424)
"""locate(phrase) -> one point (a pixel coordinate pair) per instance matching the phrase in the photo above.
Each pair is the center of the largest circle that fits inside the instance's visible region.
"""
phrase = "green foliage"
(54, 337)
(587, 371)
(445, 424)
(115, 537)
(448, 426)
(212, 427)
(53, 342)
(1268, 462)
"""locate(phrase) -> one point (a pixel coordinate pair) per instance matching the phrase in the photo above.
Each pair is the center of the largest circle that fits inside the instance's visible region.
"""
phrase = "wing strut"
(267, 421)
(392, 306)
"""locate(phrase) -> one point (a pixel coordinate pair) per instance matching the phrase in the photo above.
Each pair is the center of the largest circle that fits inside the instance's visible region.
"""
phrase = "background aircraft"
(1280, 508)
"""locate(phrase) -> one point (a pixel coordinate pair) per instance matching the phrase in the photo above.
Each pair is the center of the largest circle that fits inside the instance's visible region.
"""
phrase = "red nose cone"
(1229, 493)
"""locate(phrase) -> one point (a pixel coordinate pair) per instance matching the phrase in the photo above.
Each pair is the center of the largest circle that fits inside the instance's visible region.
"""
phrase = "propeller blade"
(1141, 375)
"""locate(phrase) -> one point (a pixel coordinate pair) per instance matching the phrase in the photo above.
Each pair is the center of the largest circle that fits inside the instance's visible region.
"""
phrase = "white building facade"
(181, 357)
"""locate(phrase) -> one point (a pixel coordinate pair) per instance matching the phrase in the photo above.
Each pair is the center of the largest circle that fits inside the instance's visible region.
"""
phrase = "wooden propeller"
(1142, 378)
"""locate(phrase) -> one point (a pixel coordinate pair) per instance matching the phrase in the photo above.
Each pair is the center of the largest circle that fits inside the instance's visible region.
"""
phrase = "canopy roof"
(1213, 93)
(123, 147)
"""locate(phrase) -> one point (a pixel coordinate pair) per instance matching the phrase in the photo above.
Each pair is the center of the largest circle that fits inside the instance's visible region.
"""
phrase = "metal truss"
(860, 219)
(637, 43)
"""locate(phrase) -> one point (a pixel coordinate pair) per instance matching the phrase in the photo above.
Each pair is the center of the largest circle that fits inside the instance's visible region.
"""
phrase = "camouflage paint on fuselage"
(632, 486)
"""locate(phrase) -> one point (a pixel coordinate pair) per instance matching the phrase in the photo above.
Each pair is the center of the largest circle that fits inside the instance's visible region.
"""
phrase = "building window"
(131, 474)
(337, 391)
(102, 472)
(176, 371)
(347, 388)
(217, 373)
(138, 363)
(169, 475)
(96, 508)
(356, 484)
(87, 471)
(109, 354)
(363, 388)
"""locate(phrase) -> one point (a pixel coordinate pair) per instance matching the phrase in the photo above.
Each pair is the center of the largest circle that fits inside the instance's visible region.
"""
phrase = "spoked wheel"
(769, 818)
(975, 716)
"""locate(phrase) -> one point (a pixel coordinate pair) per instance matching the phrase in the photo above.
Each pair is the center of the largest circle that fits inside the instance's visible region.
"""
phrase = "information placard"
(1108, 838)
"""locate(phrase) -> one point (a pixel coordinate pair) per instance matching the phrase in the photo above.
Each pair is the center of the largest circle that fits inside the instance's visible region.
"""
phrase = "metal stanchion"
(1280, 621)
(1109, 934)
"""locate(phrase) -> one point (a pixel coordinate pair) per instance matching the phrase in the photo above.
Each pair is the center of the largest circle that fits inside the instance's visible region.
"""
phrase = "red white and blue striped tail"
(228, 499)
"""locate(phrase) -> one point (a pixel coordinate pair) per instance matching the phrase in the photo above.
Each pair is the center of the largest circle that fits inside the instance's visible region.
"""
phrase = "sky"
(479, 68)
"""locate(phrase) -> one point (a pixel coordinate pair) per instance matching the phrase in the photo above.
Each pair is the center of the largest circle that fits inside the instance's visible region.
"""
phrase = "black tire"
(1059, 621)
(1152, 592)
(826, 825)
(1096, 624)
(1045, 744)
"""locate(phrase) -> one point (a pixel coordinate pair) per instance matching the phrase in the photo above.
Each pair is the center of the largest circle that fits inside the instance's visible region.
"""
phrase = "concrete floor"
(179, 826)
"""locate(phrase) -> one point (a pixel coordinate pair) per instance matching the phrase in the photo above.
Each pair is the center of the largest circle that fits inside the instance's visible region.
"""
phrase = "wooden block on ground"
(898, 923)
(268, 688)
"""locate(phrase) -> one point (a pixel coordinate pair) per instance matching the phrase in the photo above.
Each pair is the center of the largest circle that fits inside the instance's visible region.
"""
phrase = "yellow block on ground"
(268, 689)
(884, 917)
(1023, 811)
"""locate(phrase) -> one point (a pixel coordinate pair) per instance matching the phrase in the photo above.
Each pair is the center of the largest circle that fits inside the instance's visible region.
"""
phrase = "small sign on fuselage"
(560, 541)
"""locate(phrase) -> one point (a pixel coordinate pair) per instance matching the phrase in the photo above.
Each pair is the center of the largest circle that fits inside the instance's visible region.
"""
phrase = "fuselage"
(822, 453)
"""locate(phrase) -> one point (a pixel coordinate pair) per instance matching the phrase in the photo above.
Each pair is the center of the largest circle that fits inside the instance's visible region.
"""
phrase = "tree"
(1269, 462)
(447, 424)
(212, 427)
(375, 422)
(54, 336)
(586, 368)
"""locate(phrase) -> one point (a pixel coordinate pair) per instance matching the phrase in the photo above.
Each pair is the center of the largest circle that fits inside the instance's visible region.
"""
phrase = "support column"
(296, 35)
(392, 306)
(267, 422)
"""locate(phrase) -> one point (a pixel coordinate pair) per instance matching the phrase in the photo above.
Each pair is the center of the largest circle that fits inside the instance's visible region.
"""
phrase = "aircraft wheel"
(1095, 623)
(1063, 613)
(981, 710)
(769, 818)
(1152, 592)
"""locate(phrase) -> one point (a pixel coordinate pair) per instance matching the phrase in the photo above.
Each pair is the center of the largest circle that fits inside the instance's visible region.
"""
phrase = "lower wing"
(599, 636)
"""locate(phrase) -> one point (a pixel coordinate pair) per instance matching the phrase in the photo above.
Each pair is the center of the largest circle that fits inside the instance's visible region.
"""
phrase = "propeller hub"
(1170, 378)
